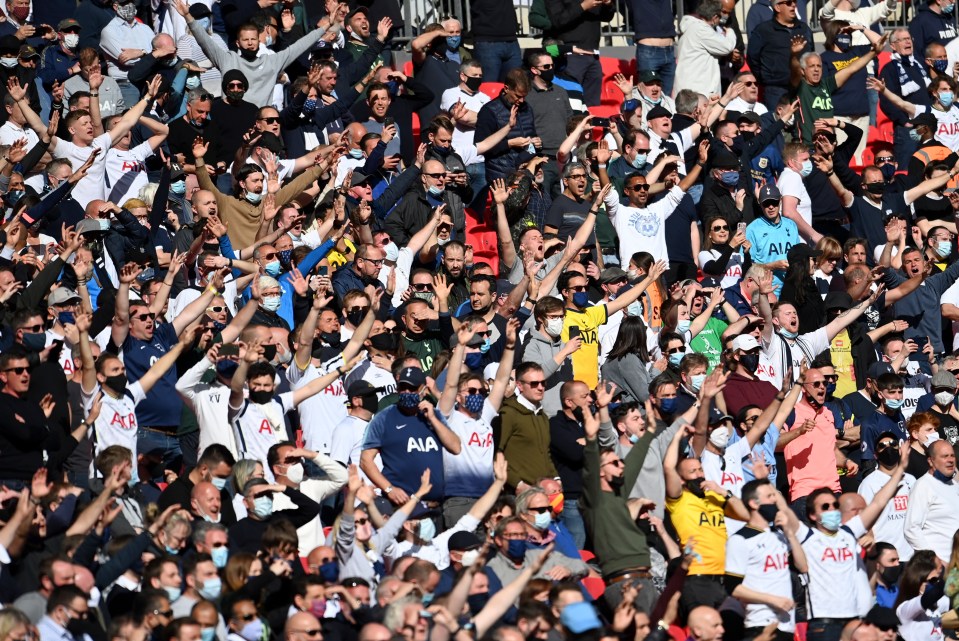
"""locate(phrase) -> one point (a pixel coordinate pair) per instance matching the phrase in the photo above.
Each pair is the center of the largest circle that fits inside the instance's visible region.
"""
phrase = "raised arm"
(121, 309)
(88, 365)
(847, 318)
(130, 118)
(507, 249)
(501, 382)
(453, 370)
(165, 362)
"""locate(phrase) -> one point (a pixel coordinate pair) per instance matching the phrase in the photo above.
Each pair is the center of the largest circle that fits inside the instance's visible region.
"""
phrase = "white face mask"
(932, 438)
(945, 398)
(294, 473)
(469, 557)
(554, 327)
(8, 62)
(71, 40)
(720, 437)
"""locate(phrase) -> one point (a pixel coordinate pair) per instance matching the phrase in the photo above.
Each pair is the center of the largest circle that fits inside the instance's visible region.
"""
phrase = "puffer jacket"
(502, 160)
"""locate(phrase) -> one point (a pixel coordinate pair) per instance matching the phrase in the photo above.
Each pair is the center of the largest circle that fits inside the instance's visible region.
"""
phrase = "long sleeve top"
(931, 516)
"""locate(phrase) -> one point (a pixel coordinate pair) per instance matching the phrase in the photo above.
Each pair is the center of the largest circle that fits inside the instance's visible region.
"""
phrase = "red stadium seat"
(595, 586)
(408, 68)
(483, 240)
(416, 129)
(492, 89)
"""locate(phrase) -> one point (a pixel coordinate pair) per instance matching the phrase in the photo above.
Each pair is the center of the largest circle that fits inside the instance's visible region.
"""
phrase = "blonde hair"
(147, 193)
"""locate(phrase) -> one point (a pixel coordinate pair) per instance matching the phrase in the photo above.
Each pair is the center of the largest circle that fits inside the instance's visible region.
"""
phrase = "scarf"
(906, 83)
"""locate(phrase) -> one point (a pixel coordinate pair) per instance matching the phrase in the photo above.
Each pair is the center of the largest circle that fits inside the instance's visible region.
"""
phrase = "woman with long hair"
(921, 592)
(800, 289)
(628, 361)
(827, 265)
(723, 254)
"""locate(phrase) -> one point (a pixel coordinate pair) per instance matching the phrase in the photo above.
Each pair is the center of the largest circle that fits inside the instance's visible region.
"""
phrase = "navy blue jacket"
(929, 27)
(770, 50)
(502, 160)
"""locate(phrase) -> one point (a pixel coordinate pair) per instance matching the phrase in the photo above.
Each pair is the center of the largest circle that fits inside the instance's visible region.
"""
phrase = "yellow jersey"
(704, 519)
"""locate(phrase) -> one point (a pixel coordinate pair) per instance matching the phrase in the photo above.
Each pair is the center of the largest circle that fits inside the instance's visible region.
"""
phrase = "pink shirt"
(811, 458)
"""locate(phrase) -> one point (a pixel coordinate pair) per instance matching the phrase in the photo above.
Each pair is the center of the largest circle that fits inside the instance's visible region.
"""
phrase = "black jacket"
(770, 51)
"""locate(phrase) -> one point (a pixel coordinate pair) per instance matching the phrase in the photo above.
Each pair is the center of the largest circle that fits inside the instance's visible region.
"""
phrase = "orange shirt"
(811, 458)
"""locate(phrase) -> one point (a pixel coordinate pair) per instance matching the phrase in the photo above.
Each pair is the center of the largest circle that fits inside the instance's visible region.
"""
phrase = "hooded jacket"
(541, 349)
(524, 438)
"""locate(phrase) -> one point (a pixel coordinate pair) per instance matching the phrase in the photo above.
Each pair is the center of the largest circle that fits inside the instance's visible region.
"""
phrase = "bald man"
(205, 502)
(705, 624)
(303, 626)
(375, 632)
(856, 630)
(322, 560)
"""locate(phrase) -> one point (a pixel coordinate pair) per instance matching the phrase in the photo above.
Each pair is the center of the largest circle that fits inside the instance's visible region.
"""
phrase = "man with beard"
(419, 339)
(195, 123)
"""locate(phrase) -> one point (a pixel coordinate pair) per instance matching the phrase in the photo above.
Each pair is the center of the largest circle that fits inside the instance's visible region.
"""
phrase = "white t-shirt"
(917, 624)
(93, 186)
(833, 563)
(346, 443)
(951, 297)
(11, 132)
(740, 105)
(260, 427)
(471, 471)
(642, 229)
(762, 559)
(727, 472)
(803, 350)
(948, 130)
(734, 268)
(321, 412)
(889, 527)
(126, 172)
(790, 184)
(117, 422)
(463, 134)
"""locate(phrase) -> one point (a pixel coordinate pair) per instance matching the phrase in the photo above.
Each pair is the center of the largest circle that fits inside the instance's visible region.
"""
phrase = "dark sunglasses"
(640, 187)
(829, 506)
(477, 390)
(272, 120)
(17, 370)
(240, 617)
(720, 228)
(539, 510)
(831, 378)
(145, 317)
(577, 288)
(436, 175)
(749, 83)
(818, 384)
(534, 383)
(362, 521)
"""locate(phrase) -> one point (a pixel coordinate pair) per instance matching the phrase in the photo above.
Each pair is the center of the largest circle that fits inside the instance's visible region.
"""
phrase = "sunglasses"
(817, 384)
(539, 383)
(145, 317)
(831, 378)
(309, 633)
(235, 85)
(358, 310)
(272, 120)
(17, 370)
(546, 67)
(750, 83)
(577, 288)
(485, 334)
(422, 287)
(539, 510)
(885, 444)
(829, 506)
(437, 175)
(163, 613)
(362, 521)
(720, 228)
(32, 329)
(477, 390)
(217, 309)
(885, 159)
(240, 617)
(642, 187)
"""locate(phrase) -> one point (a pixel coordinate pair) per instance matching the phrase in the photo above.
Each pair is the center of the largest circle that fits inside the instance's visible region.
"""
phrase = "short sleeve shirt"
(704, 519)
(93, 186)
(258, 427)
(117, 422)
(470, 472)
(815, 101)
(761, 559)
(408, 446)
(586, 358)
(791, 184)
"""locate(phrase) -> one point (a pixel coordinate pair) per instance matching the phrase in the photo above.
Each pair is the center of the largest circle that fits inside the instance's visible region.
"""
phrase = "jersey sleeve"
(286, 402)
(737, 556)
(136, 392)
(374, 434)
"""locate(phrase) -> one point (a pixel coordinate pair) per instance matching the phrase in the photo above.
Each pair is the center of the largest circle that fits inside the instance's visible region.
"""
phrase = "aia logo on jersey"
(836, 556)
(730, 479)
(427, 444)
(776, 562)
(900, 503)
(128, 422)
(949, 128)
(716, 520)
(265, 427)
(133, 165)
(476, 440)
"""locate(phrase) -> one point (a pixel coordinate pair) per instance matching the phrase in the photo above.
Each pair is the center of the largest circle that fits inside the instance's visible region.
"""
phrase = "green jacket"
(523, 437)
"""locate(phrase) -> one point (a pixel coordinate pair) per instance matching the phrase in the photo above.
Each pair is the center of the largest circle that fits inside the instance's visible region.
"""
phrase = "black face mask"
(370, 403)
(769, 512)
(578, 414)
(888, 457)
(473, 84)
(333, 340)
(750, 362)
(877, 189)
(547, 75)
(247, 54)
(261, 396)
(616, 483)
(117, 383)
(890, 576)
(696, 487)
(355, 318)
(269, 352)
(235, 95)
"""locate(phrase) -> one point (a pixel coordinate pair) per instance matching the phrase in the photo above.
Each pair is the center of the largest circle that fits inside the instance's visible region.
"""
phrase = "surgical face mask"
(453, 42)
(893, 403)
(270, 303)
(273, 268)
(945, 398)
(516, 549)
(932, 438)
(220, 556)
(915, 135)
(127, 12)
(682, 325)
(696, 381)
(633, 439)
(294, 473)
(207, 634)
(253, 198)
(435, 191)
(723, 18)
(204, 23)
(635, 309)
(581, 299)
(831, 520)
(946, 98)
(940, 65)
(788, 333)
(554, 327)
(676, 358)
(947, 8)
(269, 41)
(542, 520)
(172, 593)
(263, 506)
(356, 154)
(806, 168)
(8, 62)
(71, 40)
(719, 437)
(843, 42)
(178, 187)
(944, 248)
(426, 530)
(730, 178)
(192, 82)
(211, 588)
(639, 161)
(253, 630)
(667, 405)
(469, 558)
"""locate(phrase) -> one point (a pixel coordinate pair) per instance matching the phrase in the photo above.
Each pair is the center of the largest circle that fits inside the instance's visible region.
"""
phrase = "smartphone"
(322, 271)
(573, 332)
(740, 228)
(602, 123)
(230, 350)
(66, 318)
(388, 121)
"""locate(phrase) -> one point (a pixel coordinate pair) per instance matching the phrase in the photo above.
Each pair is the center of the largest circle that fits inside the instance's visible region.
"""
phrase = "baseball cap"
(769, 192)
(61, 295)
(883, 618)
(360, 388)
(26, 51)
(925, 120)
(464, 541)
(359, 179)
(580, 617)
(658, 112)
(745, 342)
(718, 416)
(650, 75)
(356, 10)
(200, 10)
(68, 23)
(612, 274)
(750, 116)
(411, 376)
(877, 369)
(802, 251)
(723, 159)
(269, 140)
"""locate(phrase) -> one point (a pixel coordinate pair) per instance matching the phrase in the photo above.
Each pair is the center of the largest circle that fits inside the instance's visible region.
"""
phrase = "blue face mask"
(356, 154)
(178, 187)
(947, 9)
(284, 255)
(485, 346)
(173, 551)
(843, 41)
(915, 135)
(220, 556)
(831, 520)
(192, 82)
(453, 42)
(172, 593)
(219, 483)
(940, 65)
(682, 326)
(408, 400)
(309, 106)
(639, 161)
(944, 248)
(330, 572)
(806, 168)
(211, 589)
(393, 87)
(633, 439)
(473, 360)
(516, 549)
(635, 309)
(941, 477)
(263, 506)
(426, 530)
(788, 334)
(730, 178)
(667, 405)
(888, 171)
(273, 268)
(207, 634)
(435, 191)
(542, 520)
(474, 403)
(580, 299)
(893, 403)
(946, 98)
(676, 358)
(696, 381)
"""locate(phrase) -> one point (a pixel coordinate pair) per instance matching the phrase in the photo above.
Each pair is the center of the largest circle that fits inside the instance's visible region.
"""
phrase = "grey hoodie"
(541, 349)
(262, 72)
(630, 375)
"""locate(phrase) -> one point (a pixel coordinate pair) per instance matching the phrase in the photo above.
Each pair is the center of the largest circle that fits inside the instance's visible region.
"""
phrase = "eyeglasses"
(640, 187)
(576, 177)
(272, 120)
(169, 614)
(238, 85)
(577, 288)
(545, 67)
(829, 506)
(217, 309)
(422, 287)
(362, 521)
(17, 370)
(885, 159)
(438, 175)
(539, 510)
(477, 390)
(817, 384)
(239, 617)
(539, 383)
(376, 261)
(145, 317)
(749, 83)
(885, 444)
(720, 228)
(615, 462)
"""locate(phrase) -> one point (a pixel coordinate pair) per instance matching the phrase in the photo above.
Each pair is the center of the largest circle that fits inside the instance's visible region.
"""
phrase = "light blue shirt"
(50, 630)
(771, 242)
(765, 448)
(119, 35)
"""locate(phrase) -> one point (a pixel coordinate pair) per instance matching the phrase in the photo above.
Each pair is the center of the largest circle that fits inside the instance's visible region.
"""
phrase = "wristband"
(94, 94)
(213, 290)
(724, 106)
(532, 300)
(339, 370)
(602, 166)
